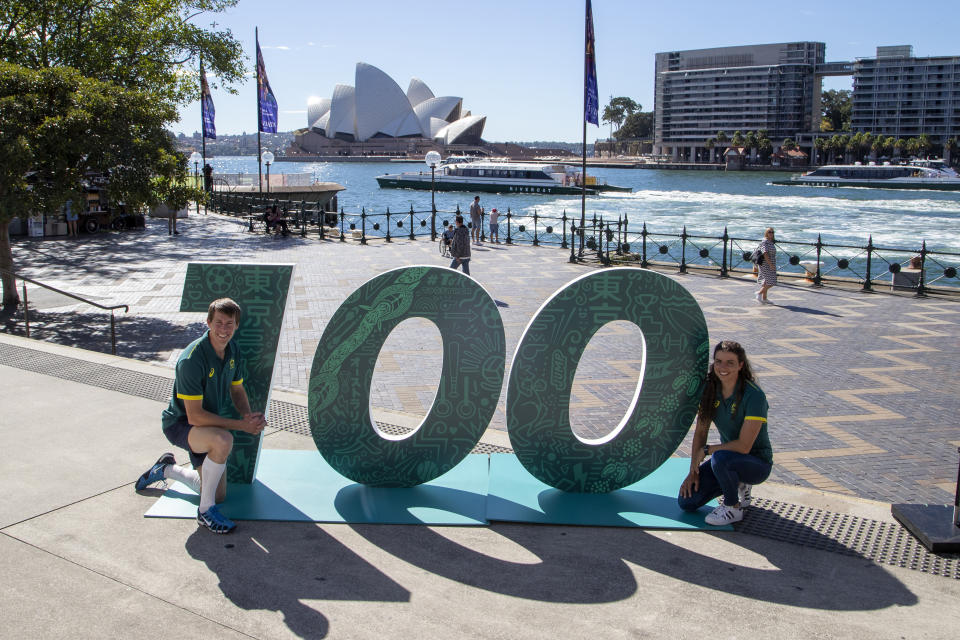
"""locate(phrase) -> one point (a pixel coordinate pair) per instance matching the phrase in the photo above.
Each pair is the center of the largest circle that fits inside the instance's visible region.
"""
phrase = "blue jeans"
(721, 474)
(463, 263)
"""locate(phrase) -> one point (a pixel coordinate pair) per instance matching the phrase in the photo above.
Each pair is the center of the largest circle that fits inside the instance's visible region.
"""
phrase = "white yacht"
(919, 174)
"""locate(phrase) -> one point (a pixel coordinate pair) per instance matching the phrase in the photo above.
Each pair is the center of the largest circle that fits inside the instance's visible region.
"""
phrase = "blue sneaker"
(215, 521)
(155, 473)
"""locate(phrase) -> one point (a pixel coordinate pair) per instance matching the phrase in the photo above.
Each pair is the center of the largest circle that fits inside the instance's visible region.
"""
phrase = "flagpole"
(256, 37)
(203, 126)
(583, 165)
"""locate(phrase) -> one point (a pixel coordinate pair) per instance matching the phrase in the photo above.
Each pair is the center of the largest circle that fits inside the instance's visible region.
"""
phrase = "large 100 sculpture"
(674, 359)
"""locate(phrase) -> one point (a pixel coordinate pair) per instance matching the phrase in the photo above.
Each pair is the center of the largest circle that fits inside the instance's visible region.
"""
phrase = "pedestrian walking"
(460, 247)
(767, 276)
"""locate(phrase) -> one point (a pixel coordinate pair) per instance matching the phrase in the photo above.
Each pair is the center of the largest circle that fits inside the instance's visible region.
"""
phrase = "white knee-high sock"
(211, 472)
(189, 477)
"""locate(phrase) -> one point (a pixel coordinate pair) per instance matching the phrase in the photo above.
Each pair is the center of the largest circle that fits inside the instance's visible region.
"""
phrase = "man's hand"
(691, 483)
(253, 423)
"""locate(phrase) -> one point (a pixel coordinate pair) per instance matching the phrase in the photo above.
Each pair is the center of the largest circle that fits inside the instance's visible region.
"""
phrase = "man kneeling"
(207, 392)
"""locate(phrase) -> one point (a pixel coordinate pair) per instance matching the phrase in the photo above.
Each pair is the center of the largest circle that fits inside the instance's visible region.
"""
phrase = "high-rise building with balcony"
(898, 95)
(769, 87)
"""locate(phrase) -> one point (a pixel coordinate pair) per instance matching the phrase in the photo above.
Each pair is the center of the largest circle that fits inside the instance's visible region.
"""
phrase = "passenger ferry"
(919, 174)
(459, 173)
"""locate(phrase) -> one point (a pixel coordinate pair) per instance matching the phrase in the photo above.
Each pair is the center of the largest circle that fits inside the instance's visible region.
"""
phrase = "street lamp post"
(267, 160)
(195, 159)
(432, 159)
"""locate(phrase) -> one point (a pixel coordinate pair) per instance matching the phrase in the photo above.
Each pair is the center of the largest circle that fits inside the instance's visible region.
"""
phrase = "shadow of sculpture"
(277, 566)
(589, 565)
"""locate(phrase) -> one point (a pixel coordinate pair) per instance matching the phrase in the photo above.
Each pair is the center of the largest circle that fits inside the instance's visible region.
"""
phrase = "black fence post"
(608, 237)
(342, 217)
(509, 238)
(619, 236)
(723, 260)
(363, 225)
(303, 218)
(643, 257)
(626, 238)
(411, 221)
(867, 284)
(433, 221)
(683, 250)
(387, 238)
(563, 238)
(573, 241)
(922, 290)
(599, 237)
(817, 281)
(483, 226)
(536, 240)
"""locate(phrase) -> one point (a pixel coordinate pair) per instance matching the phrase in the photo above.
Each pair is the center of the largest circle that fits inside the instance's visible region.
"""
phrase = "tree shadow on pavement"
(276, 566)
(138, 337)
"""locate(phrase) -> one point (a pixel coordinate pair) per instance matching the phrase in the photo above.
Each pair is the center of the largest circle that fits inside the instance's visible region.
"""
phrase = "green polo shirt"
(730, 415)
(202, 375)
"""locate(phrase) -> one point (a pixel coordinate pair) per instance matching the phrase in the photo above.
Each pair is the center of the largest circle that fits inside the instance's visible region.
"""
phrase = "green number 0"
(470, 381)
(544, 365)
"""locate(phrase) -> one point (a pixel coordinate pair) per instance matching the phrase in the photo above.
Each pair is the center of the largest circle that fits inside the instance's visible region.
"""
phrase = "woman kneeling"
(738, 407)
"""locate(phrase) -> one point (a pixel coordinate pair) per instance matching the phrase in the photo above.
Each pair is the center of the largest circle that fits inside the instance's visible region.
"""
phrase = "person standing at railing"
(460, 247)
(494, 226)
(207, 393)
(476, 219)
(736, 405)
(767, 276)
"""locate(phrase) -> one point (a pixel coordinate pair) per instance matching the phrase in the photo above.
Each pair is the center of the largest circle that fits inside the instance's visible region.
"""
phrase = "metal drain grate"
(883, 542)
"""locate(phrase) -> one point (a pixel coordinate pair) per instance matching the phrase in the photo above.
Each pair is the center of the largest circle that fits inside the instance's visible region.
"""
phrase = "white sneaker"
(759, 299)
(743, 493)
(724, 515)
(765, 301)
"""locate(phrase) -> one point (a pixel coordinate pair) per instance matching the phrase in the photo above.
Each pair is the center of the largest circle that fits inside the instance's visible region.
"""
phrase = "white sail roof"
(382, 106)
(343, 115)
(316, 107)
(418, 92)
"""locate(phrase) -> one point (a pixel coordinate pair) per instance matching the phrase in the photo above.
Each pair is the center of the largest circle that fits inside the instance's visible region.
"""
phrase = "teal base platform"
(651, 503)
(299, 486)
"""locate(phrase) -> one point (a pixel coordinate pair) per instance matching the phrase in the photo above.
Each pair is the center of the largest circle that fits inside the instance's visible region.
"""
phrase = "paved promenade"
(861, 415)
(861, 400)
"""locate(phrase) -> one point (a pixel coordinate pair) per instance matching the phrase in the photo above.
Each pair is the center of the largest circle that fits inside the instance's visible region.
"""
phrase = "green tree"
(637, 125)
(949, 149)
(737, 139)
(765, 146)
(115, 71)
(835, 108)
(924, 145)
(822, 145)
(619, 110)
(788, 144)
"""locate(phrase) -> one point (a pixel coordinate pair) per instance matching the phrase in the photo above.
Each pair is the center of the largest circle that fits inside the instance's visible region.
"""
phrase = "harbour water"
(703, 201)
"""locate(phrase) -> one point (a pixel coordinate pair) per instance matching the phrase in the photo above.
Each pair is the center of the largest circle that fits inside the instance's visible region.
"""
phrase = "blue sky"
(520, 62)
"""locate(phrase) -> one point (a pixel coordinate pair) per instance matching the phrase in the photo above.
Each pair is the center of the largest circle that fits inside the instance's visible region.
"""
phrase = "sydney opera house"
(375, 116)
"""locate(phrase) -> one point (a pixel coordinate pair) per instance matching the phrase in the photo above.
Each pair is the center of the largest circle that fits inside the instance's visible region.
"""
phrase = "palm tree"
(737, 138)
(924, 144)
(821, 145)
(788, 144)
(750, 141)
(948, 148)
(710, 144)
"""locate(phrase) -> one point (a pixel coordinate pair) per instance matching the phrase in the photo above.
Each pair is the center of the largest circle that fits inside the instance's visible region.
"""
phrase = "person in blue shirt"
(208, 401)
(734, 403)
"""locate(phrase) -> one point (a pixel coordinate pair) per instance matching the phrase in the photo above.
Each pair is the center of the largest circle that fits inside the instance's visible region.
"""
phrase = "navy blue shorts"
(177, 435)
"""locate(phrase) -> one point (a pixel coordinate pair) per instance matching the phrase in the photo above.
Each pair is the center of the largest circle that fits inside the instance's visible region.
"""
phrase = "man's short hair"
(460, 219)
(226, 306)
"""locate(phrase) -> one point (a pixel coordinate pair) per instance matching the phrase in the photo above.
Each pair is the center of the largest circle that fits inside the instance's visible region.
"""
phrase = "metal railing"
(26, 306)
(819, 262)
(609, 241)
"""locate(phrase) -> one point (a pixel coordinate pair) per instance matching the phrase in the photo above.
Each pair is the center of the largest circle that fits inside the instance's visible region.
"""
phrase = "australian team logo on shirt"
(211, 372)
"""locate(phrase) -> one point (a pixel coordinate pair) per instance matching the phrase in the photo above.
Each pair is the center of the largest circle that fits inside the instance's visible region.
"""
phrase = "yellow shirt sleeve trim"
(236, 382)
(760, 418)
(183, 397)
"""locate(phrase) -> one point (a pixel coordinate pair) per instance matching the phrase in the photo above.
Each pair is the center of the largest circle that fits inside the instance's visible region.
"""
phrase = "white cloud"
(279, 48)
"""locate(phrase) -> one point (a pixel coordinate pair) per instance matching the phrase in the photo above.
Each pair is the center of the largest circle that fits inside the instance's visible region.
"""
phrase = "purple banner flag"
(266, 101)
(591, 102)
(207, 111)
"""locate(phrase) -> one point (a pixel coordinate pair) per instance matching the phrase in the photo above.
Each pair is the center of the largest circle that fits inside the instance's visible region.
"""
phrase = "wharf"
(862, 415)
